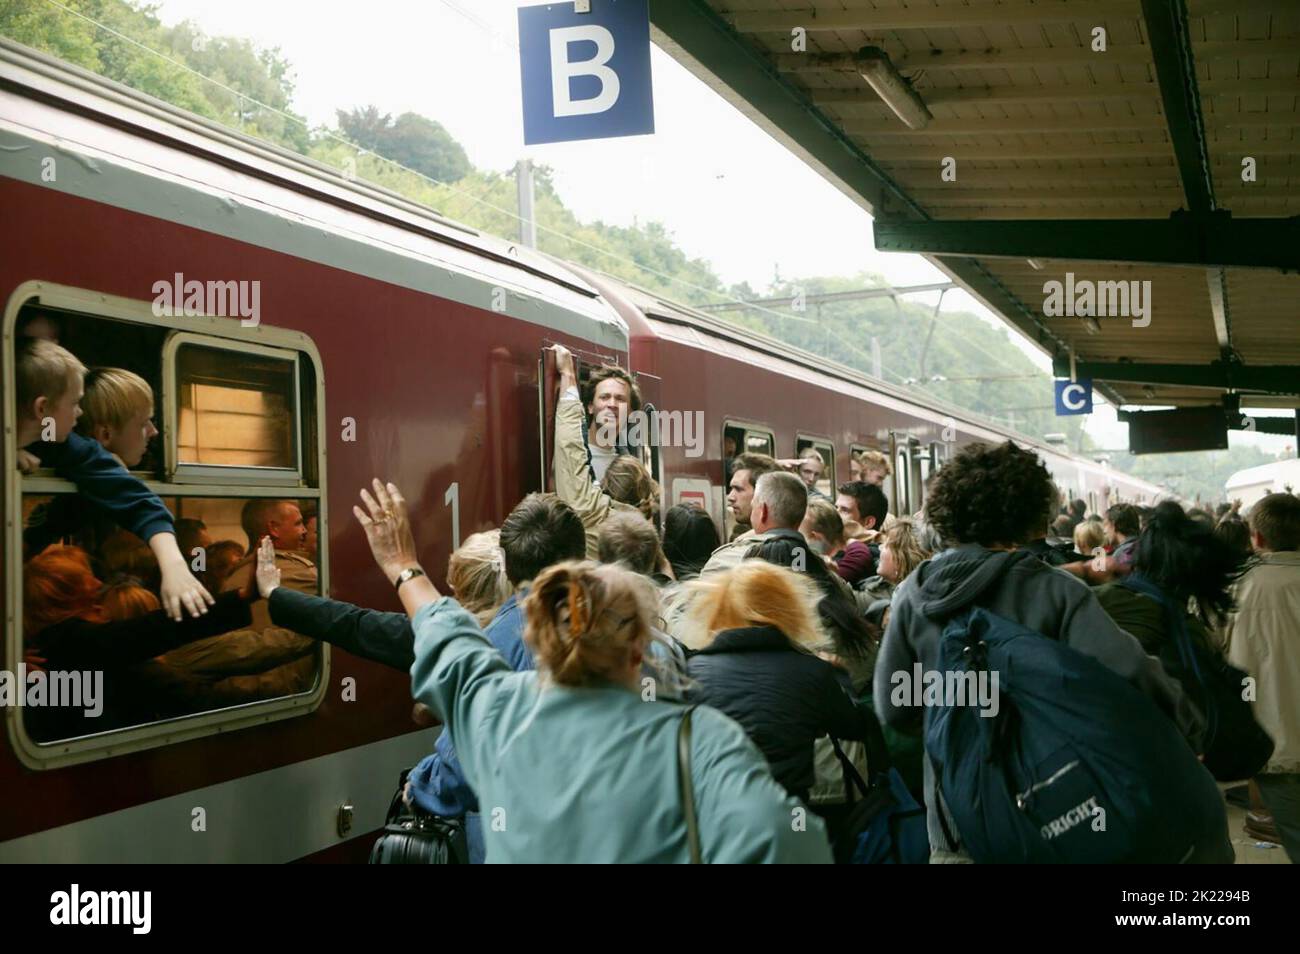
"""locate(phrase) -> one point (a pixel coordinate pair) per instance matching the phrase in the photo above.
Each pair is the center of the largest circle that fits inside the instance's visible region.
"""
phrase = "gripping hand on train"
(564, 367)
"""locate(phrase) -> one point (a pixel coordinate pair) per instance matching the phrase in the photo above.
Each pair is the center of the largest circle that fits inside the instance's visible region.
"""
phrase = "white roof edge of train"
(53, 76)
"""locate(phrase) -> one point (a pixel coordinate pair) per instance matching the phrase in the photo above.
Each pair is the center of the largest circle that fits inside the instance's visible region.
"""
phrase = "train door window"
(820, 467)
(241, 455)
(740, 439)
(759, 442)
(929, 467)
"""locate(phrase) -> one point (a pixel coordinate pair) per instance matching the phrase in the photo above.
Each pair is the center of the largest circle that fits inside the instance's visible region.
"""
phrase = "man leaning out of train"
(624, 484)
(621, 799)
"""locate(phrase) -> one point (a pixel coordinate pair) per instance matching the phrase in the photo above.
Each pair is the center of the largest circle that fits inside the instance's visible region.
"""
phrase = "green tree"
(122, 52)
(411, 140)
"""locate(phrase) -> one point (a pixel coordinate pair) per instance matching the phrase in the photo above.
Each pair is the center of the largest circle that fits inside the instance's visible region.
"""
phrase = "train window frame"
(217, 332)
(826, 447)
(748, 429)
(190, 472)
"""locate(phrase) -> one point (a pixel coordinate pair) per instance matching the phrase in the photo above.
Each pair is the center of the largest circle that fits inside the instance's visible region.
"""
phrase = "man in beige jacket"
(1263, 639)
(574, 480)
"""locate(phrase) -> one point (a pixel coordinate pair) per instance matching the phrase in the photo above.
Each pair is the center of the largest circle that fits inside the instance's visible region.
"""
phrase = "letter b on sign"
(585, 75)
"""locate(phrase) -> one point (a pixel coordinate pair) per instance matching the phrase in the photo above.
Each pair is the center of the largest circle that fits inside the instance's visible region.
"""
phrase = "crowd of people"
(620, 684)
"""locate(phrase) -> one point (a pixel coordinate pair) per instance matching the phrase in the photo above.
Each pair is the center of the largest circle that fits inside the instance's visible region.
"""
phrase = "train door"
(548, 381)
(899, 457)
(930, 463)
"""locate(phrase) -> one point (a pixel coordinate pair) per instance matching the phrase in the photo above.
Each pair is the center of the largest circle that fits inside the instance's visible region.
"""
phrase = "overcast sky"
(726, 190)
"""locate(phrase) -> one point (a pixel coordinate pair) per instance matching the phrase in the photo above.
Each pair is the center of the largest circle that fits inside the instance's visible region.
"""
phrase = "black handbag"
(413, 836)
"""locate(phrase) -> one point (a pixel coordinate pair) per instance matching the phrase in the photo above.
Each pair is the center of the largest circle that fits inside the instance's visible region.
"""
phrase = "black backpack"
(413, 836)
(1236, 746)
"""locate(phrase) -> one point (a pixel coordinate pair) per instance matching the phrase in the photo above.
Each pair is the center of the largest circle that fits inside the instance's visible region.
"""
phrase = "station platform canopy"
(1083, 140)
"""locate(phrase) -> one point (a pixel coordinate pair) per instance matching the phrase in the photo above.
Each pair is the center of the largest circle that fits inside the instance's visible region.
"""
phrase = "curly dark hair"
(991, 494)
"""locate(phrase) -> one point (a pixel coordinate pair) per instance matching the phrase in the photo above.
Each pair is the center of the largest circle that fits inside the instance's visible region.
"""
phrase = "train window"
(232, 410)
(744, 439)
(759, 442)
(821, 464)
(240, 457)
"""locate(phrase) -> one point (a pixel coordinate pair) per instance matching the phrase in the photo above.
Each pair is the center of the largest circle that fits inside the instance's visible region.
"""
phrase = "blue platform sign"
(1073, 397)
(585, 75)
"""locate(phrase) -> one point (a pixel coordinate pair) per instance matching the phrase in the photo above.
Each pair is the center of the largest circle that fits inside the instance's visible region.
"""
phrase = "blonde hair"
(756, 593)
(905, 543)
(587, 622)
(477, 573)
(1088, 535)
(113, 396)
(45, 370)
(874, 460)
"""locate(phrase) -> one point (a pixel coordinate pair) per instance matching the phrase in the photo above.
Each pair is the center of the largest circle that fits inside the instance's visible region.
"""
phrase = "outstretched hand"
(180, 591)
(265, 574)
(388, 529)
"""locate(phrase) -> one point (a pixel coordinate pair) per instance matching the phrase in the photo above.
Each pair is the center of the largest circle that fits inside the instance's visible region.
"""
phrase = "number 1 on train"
(452, 497)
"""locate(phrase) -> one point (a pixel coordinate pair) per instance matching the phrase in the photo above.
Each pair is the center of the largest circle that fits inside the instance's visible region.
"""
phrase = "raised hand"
(388, 529)
(265, 572)
(565, 366)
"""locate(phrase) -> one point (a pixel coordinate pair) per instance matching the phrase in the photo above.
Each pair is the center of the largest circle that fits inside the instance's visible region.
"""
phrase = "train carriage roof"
(131, 150)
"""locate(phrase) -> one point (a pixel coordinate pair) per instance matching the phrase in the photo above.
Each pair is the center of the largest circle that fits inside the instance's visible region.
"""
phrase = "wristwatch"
(410, 573)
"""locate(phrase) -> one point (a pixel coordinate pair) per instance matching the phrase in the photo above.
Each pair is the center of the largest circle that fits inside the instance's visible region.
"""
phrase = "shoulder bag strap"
(688, 787)
(852, 777)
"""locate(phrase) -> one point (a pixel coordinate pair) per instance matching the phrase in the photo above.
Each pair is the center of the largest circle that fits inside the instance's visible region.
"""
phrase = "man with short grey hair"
(780, 499)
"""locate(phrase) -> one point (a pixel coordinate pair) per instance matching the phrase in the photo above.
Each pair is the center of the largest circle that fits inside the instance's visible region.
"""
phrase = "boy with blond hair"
(50, 385)
(117, 411)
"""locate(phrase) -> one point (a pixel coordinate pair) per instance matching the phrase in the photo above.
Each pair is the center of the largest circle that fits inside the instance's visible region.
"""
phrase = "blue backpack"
(886, 826)
(1077, 765)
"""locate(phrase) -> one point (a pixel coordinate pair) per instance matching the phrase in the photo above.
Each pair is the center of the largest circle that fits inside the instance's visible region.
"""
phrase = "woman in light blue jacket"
(577, 762)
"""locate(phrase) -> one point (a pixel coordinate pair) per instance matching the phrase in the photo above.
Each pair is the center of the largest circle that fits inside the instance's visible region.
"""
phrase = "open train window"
(820, 464)
(740, 439)
(238, 450)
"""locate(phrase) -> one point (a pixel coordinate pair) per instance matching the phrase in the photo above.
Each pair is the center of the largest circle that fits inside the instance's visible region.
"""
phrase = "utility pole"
(527, 216)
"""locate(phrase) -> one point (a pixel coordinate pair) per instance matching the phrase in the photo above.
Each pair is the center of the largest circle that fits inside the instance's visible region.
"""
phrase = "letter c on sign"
(1073, 401)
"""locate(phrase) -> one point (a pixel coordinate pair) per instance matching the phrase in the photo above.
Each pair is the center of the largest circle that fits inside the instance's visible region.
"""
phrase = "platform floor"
(1249, 851)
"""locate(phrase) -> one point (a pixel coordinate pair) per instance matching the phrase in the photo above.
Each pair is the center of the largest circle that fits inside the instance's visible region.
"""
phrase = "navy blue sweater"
(101, 479)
